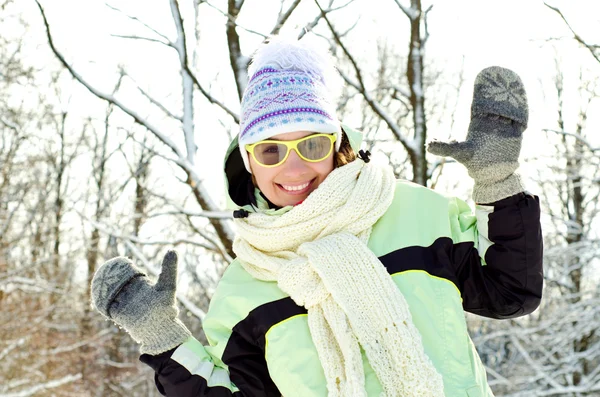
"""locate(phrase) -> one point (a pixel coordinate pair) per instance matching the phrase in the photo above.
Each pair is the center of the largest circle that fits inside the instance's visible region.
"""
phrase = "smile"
(296, 189)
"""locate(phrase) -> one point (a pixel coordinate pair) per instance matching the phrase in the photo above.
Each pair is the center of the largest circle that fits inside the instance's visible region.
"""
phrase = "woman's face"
(292, 181)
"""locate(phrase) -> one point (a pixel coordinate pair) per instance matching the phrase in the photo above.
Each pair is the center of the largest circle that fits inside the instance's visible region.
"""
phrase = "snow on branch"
(540, 372)
(410, 12)
(209, 97)
(188, 85)
(426, 25)
(43, 386)
(12, 346)
(400, 90)
(204, 199)
(136, 19)
(109, 98)
(579, 137)
(338, 40)
(592, 48)
(63, 349)
(202, 214)
(9, 124)
(311, 25)
(155, 102)
(283, 17)
(114, 364)
(27, 285)
(232, 20)
(134, 239)
(132, 37)
(179, 210)
(409, 144)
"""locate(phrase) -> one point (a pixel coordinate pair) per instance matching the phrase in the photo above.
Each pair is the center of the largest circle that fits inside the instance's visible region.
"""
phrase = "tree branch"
(576, 136)
(155, 102)
(577, 37)
(338, 40)
(122, 36)
(194, 181)
(186, 82)
(360, 86)
(409, 12)
(229, 18)
(43, 386)
(426, 25)
(109, 98)
(408, 144)
(284, 17)
(136, 19)
(135, 239)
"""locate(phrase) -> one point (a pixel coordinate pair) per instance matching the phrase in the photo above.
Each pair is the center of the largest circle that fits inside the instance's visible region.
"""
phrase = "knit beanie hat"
(290, 88)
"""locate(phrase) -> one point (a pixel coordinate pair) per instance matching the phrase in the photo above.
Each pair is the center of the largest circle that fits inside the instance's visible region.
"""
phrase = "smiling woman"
(347, 282)
(285, 175)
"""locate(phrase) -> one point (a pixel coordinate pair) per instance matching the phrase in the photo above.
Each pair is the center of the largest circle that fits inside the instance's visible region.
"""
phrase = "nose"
(294, 166)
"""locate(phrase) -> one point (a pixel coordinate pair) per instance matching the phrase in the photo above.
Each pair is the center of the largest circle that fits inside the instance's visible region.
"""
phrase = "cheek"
(259, 174)
(263, 178)
(325, 167)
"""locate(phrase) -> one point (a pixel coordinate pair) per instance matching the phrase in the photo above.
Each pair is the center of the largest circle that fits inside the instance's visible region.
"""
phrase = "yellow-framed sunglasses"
(311, 148)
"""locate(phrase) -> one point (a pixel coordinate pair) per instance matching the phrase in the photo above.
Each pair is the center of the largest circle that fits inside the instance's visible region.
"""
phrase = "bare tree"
(400, 93)
(190, 85)
(34, 320)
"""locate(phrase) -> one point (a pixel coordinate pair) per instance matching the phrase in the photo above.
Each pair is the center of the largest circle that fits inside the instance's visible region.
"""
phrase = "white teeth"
(295, 188)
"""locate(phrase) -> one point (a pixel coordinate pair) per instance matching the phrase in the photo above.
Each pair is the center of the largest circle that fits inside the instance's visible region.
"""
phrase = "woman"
(346, 282)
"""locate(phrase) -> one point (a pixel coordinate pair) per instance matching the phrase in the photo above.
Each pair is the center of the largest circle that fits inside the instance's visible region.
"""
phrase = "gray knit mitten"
(490, 153)
(148, 312)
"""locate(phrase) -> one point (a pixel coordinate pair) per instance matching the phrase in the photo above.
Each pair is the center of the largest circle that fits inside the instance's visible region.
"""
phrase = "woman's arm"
(503, 276)
(499, 271)
(189, 370)
(233, 365)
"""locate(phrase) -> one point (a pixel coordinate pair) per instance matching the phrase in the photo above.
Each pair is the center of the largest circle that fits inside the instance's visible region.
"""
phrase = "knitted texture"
(109, 280)
(122, 293)
(499, 115)
(317, 253)
(289, 89)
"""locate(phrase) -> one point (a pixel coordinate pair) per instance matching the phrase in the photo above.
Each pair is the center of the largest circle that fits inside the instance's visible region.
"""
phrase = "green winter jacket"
(444, 258)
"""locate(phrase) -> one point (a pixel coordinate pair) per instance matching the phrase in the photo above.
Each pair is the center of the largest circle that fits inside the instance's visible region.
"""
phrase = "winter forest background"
(114, 117)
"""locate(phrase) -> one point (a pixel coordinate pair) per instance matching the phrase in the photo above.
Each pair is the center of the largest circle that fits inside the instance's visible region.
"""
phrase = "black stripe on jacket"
(510, 284)
(244, 355)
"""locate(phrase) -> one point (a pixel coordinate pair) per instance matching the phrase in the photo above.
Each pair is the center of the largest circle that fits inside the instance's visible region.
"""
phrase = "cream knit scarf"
(317, 253)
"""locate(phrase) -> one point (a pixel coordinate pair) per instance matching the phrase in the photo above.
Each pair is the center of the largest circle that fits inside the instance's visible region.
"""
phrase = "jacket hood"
(238, 181)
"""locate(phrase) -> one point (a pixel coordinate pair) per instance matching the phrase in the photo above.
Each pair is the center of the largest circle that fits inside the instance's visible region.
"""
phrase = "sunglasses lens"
(270, 153)
(315, 148)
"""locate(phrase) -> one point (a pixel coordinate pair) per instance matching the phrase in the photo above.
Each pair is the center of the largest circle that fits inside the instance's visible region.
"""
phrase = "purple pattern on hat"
(261, 72)
(274, 98)
(282, 112)
(260, 85)
(280, 99)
